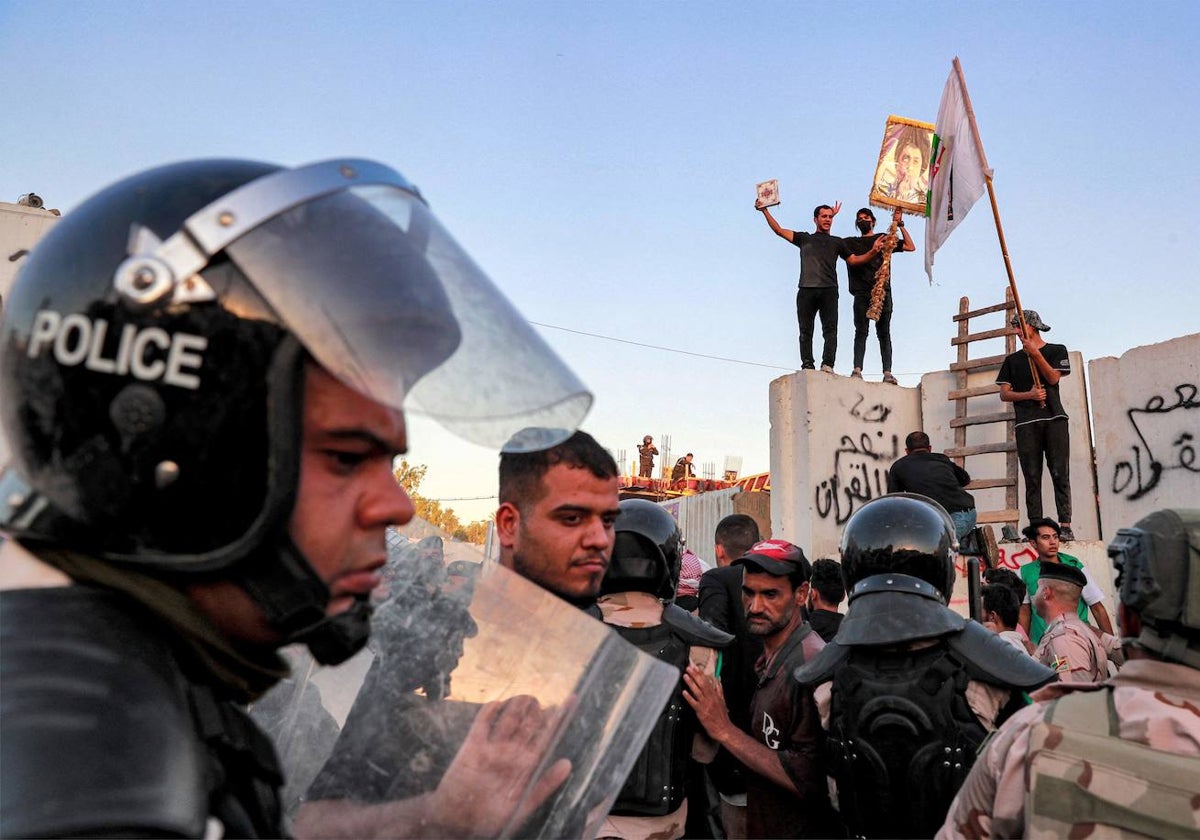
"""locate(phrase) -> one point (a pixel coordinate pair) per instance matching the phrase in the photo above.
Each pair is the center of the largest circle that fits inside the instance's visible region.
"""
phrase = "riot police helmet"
(647, 551)
(1158, 566)
(901, 533)
(152, 360)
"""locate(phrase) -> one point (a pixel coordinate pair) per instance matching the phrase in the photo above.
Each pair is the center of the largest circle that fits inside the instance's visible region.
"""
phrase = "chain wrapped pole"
(884, 275)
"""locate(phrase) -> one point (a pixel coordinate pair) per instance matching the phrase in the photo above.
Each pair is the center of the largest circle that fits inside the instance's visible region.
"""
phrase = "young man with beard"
(787, 794)
(556, 515)
(864, 256)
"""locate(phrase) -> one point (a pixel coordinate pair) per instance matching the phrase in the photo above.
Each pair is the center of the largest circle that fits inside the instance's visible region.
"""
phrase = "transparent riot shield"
(483, 706)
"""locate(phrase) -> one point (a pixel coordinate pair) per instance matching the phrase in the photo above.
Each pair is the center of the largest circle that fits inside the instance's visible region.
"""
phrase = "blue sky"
(599, 161)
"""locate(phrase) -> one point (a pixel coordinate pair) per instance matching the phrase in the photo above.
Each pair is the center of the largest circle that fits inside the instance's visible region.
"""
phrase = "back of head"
(1158, 564)
(1007, 577)
(1003, 601)
(827, 580)
(735, 534)
(901, 533)
(646, 551)
(522, 468)
(917, 440)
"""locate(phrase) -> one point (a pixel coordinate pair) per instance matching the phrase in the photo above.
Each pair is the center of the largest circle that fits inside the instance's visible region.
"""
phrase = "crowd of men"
(203, 475)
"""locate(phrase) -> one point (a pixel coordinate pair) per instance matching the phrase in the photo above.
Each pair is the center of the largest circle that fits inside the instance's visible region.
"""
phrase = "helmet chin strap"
(293, 598)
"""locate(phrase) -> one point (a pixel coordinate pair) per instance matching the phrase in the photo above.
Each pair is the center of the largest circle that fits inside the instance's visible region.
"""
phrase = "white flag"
(959, 172)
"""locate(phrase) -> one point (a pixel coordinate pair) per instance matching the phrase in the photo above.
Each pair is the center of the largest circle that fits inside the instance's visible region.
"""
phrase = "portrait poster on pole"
(902, 172)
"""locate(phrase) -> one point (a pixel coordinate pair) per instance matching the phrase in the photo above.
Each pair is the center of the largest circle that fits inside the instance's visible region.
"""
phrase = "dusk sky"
(599, 160)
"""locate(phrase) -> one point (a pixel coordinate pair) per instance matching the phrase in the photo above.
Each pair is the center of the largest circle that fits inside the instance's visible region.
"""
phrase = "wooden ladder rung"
(981, 336)
(980, 363)
(981, 449)
(977, 391)
(993, 516)
(974, 313)
(980, 419)
(985, 483)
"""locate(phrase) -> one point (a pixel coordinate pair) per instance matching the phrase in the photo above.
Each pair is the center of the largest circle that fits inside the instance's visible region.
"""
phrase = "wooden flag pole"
(1012, 280)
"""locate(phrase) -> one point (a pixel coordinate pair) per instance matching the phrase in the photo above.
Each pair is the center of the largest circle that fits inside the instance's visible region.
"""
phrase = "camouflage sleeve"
(991, 802)
(1072, 657)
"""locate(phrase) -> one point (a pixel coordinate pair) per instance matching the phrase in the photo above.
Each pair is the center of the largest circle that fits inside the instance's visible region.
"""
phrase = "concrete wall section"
(1147, 416)
(832, 441)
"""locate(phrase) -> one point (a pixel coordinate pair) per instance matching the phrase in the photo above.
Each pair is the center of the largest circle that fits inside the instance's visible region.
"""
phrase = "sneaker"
(808, 366)
(1065, 534)
(856, 373)
(827, 368)
(1009, 534)
(889, 379)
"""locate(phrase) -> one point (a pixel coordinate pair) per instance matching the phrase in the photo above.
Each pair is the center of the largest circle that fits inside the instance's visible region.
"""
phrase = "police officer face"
(770, 602)
(562, 540)
(347, 495)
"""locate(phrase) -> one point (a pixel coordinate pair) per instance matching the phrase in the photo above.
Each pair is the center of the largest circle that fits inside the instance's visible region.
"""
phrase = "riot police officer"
(203, 371)
(915, 686)
(636, 598)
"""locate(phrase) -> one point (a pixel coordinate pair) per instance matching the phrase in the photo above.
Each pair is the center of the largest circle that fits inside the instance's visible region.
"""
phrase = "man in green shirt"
(1043, 535)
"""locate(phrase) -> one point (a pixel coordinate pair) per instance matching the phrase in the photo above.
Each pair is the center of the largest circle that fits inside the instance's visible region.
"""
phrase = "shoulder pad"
(98, 736)
(889, 617)
(820, 668)
(695, 631)
(990, 659)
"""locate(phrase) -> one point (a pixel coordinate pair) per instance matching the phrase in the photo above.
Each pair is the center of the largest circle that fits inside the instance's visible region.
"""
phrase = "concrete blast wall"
(832, 441)
(1147, 412)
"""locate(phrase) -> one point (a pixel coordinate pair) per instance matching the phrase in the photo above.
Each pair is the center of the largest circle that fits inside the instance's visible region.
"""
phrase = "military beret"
(1063, 572)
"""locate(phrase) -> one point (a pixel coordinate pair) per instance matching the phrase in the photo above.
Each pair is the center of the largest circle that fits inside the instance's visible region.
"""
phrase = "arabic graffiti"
(859, 474)
(1173, 431)
(877, 413)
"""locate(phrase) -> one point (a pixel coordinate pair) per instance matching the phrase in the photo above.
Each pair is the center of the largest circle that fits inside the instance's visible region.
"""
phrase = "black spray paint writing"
(859, 475)
(1143, 471)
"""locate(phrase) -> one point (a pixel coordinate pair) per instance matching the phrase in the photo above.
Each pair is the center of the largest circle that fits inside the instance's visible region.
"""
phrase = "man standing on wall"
(818, 292)
(1041, 422)
(863, 259)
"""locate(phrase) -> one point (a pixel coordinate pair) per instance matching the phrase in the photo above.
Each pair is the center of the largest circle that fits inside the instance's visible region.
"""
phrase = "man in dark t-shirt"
(864, 256)
(1041, 422)
(818, 292)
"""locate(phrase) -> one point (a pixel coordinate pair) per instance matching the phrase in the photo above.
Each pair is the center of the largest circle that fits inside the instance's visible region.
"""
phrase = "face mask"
(863, 225)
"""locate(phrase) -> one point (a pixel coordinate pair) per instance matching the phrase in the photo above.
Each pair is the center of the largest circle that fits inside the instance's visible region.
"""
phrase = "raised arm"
(906, 243)
(775, 226)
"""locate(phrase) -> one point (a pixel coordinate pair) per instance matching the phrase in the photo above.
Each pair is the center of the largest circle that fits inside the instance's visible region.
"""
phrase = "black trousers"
(883, 328)
(1051, 438)
(809, 303)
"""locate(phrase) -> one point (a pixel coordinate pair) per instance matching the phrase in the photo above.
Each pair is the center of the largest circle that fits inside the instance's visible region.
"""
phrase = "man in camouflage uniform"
(1068, 646)
(1122, 755)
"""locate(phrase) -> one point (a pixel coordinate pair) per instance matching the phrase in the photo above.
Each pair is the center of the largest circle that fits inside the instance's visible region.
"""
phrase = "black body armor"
(101, 731)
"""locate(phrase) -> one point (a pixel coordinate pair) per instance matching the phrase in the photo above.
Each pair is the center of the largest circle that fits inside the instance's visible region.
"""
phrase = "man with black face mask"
(863, 261)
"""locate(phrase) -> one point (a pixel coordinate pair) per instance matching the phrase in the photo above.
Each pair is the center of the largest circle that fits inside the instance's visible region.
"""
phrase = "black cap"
(865, 211)
(1064, 573)
(776, 557)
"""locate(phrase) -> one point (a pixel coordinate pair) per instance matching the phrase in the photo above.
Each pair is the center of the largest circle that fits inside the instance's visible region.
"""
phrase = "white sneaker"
(827, 368)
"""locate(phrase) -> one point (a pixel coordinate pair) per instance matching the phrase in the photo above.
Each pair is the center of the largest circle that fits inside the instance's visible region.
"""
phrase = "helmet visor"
(385, 299)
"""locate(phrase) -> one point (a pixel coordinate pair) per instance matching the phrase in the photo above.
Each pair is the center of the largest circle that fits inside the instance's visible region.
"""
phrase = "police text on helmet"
(148, 353)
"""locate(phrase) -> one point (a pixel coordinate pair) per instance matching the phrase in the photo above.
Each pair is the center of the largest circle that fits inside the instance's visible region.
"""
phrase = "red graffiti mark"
(1009, 559)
